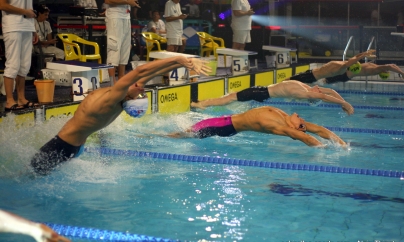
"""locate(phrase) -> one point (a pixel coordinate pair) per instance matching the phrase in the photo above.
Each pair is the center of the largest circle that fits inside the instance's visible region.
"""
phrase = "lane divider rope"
(102, 235)
(244, 162)
(370, 92)
(325, 105)
(367, 131)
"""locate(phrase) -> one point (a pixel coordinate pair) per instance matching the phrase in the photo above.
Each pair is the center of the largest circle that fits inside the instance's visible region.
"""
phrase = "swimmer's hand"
(51, 236)
(185, 62)
(325, 146)
(322, 146)
(347, 108)
(181, 134)
(200, 66)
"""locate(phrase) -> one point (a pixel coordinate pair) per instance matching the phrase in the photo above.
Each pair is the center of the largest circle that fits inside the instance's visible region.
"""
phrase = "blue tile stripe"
(244, 162)
(102, 235)
(325, 105)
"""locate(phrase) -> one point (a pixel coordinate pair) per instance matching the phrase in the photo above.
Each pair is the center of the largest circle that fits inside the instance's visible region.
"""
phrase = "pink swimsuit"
(221, 126)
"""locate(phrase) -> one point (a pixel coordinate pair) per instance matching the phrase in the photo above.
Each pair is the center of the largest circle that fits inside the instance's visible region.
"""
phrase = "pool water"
(202, 201)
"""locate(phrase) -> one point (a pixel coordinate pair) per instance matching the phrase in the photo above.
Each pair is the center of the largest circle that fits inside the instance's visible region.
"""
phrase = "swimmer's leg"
(215, 101)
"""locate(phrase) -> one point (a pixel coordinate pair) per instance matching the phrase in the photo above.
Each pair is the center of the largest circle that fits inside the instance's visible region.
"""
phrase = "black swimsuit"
(305, 77)
(340, 78)
(53, 153)
(257, 93)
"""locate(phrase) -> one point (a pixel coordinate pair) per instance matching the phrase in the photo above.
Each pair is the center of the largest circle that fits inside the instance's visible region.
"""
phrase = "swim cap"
(384, 75)
(136, 107)
(355, 68)
(314, 102)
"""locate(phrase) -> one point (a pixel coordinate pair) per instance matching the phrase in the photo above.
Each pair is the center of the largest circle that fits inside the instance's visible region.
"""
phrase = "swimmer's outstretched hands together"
(368, 54)
(196, 64)
(358, 57)
(201, 66)
(347, 108)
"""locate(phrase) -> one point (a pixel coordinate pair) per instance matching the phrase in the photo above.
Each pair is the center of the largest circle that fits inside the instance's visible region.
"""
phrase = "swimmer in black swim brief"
(257, 93)
(340, 78)
(53, 153)
(103, 105)
(286, 89)
(305, 77)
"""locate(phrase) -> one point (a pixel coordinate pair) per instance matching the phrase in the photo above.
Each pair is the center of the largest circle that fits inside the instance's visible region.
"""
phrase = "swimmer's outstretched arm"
(370, 69)
(330, 99)
(11, 223)
(199, 66)
(331, 92)
(296, 135)
(324, 133)
(393, 68)
(182, 134)
(150, 70)
(359, 57)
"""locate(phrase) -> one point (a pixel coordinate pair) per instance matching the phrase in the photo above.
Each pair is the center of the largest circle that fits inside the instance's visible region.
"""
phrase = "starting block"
(281, 58)
(85, 75)
(240, 64)
(180, 73)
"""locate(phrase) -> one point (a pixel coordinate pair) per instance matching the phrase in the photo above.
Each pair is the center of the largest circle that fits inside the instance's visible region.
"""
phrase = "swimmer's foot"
(197, 105)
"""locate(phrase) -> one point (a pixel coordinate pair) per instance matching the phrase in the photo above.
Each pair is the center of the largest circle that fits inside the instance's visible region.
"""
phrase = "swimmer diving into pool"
(102, 106)
(285, 89)
(330, 69)
(367, 69)
(265, 119)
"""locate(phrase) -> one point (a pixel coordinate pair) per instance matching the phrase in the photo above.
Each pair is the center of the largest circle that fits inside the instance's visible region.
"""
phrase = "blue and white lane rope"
(370, 92)
(325, 105)
(244, 162)
(102, 235)
(366, 131)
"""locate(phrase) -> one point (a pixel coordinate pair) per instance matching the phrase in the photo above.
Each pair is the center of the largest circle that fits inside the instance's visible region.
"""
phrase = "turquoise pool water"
(202, 201)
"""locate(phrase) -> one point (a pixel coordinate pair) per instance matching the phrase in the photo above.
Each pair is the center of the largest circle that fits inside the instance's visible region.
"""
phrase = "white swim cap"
(136, 107)
(314, 102)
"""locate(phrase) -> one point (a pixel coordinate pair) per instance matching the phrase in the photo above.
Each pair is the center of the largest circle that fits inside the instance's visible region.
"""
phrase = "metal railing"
(366, 59)
(347, 47)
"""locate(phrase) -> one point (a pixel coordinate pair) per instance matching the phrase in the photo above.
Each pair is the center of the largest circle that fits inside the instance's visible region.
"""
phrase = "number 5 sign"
(240, 65)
